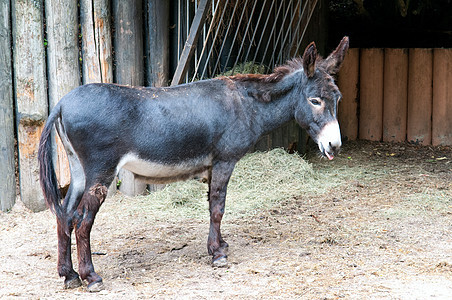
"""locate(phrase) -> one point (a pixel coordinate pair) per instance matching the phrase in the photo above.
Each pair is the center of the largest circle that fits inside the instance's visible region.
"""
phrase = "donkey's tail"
(47, 176)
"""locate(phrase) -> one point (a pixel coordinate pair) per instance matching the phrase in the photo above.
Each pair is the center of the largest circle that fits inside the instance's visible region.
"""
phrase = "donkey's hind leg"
(93, 198)
(64, 230)
(65, 222)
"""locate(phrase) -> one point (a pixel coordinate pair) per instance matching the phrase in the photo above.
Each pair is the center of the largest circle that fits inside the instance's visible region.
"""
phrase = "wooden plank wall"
(31, 95)
(371, 94)
(63, 64)
(442, 97)
(348, 83)
(420, 96)
(157, 67)
(397, 95)
(39, 71)
(97, 48)
(128, 42)
(7, 169)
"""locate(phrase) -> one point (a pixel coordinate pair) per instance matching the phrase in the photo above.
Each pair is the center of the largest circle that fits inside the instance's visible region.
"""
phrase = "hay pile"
(245, 68)
(260, 180)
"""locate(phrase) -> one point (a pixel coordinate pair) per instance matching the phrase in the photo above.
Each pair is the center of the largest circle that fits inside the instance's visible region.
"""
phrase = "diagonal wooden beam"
(190, 44)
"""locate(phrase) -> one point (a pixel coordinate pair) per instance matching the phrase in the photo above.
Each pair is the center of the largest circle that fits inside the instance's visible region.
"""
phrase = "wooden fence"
(49, 47)
(397, 95)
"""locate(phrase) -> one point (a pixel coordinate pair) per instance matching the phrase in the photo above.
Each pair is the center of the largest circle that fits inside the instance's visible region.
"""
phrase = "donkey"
(174, 133)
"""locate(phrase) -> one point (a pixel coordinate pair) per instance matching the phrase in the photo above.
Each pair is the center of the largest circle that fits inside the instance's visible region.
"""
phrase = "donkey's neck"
(277, 103)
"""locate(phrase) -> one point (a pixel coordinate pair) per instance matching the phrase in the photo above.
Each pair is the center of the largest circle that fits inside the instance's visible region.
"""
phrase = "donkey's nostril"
(334, 148)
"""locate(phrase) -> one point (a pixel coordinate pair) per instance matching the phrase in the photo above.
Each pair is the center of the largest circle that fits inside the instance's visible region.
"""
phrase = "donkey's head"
(317, 110)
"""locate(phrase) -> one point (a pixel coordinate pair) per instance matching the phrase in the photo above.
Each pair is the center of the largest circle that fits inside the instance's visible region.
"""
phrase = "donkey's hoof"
(220, 262)
(72, 283)
(95, 287)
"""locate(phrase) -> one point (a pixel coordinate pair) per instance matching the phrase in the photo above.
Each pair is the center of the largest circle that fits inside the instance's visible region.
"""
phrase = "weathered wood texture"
(129, 62)
(95, 21)
(63, 62)
(371, 94)
(348, 80)
(158, 42)
(414, 89)
(442, 97)
(419, 118)
(157, 50)
(7, 170)
(395, 95)
(97, 48)
(31, 95)
(128, 22)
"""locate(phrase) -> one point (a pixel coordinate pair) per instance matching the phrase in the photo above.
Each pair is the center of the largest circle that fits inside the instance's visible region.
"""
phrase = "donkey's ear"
(333, 62)
(309, 58)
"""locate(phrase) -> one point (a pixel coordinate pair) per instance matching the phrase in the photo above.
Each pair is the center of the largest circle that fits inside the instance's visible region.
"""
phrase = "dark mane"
(278, 74)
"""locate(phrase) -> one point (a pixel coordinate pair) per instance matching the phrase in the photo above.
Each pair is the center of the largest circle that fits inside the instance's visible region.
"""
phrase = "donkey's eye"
(315, 101)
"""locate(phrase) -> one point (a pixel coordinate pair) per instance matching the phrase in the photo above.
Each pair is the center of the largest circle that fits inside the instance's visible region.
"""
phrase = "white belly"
(162, 173)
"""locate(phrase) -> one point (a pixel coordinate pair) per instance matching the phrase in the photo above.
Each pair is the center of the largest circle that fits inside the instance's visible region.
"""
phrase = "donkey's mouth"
(326, 153)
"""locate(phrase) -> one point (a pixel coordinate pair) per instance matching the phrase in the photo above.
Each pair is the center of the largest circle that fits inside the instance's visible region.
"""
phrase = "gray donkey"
(174, 133)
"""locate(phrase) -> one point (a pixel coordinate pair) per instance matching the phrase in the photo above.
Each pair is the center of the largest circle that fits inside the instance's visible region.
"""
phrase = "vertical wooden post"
(348, 80)
(419, 120)
(157, 49)
(442, 97)
(31, 95)
(128, 44)
(97, 52)
(371, 94)
(7, 171)
(395, 95)
(158, 39)
(97, 59)
(63, 62)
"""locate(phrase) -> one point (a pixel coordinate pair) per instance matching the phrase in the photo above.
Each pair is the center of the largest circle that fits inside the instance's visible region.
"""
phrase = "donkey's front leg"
(87, 210)
(221, 172)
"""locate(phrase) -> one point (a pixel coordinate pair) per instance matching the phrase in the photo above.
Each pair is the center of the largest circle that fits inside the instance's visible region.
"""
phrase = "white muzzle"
(329, 139)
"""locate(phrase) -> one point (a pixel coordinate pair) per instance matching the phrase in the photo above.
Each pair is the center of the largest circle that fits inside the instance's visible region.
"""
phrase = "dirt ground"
(383, 233)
